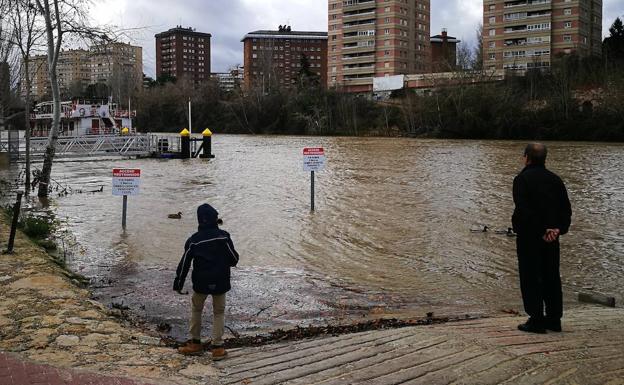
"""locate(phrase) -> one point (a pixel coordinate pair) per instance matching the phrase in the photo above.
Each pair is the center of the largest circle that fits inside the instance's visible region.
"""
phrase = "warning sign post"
(313, 160)
(126, 182)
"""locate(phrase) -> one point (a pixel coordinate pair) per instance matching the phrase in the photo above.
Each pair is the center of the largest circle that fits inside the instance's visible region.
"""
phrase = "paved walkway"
(590, 350)
(14, 371)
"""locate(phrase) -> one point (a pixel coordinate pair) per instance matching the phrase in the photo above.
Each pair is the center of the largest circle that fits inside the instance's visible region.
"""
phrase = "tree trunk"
(54, 48)
(27, 119)
(46, 170)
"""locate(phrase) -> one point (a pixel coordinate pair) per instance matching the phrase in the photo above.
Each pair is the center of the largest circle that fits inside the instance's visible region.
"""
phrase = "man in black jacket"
(212, 252)
(542, 214)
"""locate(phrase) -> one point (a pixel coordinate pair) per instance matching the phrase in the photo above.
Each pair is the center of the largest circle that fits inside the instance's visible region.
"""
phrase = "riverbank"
(46, 318)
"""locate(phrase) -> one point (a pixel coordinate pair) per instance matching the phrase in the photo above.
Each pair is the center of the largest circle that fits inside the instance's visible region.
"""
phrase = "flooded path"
(391, 234)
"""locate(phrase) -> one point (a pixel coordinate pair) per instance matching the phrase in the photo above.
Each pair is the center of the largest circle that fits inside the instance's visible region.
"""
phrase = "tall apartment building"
(183, 53)
(73, 70)
(118, 65)
(525, 34)
(39, 79)
(275, 57)
(373, 38)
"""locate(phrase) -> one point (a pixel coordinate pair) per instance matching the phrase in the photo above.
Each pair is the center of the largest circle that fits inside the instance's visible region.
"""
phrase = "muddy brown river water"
(391, 234)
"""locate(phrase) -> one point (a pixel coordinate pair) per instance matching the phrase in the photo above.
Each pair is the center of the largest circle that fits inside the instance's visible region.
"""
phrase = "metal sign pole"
(312, 189)
(124, 211)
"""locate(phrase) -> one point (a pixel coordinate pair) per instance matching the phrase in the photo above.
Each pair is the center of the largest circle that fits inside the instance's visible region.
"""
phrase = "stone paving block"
(16, 371)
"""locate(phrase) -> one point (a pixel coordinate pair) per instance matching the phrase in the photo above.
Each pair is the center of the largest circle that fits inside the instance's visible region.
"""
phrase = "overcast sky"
(229, 20)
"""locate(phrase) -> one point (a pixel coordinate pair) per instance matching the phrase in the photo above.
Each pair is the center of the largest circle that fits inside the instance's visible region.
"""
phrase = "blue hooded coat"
(212, 252)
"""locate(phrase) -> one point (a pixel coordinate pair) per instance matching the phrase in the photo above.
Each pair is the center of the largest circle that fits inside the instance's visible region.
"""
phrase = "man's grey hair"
(536, 153)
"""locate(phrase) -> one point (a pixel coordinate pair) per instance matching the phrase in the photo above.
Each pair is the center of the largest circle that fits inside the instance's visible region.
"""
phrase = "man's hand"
(551, 235)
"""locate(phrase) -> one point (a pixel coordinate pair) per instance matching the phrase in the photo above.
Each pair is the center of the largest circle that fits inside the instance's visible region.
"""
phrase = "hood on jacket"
(207, 215)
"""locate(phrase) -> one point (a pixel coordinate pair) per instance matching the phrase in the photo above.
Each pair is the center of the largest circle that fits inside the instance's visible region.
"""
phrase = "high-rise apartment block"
(118, 65)
(73, 69)
(373, 38)
(526, 34)
(39, 78)
(183, 53)
(277, 57)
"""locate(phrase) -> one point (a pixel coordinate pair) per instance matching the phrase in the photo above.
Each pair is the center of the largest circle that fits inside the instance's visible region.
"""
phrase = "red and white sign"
(313, 159)
(314, 151)
(126, 181)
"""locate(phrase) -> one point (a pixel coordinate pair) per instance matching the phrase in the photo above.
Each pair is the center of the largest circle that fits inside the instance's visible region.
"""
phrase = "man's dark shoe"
(553, 325)
(532, 326)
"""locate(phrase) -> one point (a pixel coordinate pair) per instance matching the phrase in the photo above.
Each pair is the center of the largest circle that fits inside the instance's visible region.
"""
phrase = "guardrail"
(90, 145)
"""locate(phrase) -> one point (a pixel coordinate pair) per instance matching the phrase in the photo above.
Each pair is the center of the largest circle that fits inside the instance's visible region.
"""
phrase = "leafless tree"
(61, 19)
(477, 63)
(27, 34)
(8, 63)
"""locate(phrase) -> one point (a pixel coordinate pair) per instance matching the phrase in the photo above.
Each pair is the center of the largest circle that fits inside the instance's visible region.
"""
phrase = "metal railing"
(91, 146)
(101, 145)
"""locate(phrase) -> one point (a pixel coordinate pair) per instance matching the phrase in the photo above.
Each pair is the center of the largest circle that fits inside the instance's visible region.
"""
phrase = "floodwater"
(390, 236)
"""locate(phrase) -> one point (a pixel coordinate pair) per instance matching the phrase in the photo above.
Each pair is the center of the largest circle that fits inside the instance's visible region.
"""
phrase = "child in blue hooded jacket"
(212, 253)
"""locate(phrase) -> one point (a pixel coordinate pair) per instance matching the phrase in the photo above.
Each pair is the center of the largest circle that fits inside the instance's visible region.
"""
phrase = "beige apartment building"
(374, 38)
(38, 75)
(118, 65)
(526, 34)
(72, 73)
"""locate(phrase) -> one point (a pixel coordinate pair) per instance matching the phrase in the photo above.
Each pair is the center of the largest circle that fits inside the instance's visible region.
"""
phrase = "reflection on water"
(391, 227)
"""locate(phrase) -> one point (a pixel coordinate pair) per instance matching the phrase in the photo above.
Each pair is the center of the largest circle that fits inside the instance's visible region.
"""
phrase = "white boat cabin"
(82, 117)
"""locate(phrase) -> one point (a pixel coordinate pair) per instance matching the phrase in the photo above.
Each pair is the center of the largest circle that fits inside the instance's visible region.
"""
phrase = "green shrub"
(37, 228)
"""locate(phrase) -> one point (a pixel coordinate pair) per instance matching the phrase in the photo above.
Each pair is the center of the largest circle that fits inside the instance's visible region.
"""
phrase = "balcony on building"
(525, 3)
(359, 58)
(352, 5)
(359, 23)
(511, 17)
(359, 35)
(359, 14)
(359, 69)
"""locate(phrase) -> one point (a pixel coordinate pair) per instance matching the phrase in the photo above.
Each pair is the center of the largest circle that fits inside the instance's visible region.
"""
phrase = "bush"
(36, 228)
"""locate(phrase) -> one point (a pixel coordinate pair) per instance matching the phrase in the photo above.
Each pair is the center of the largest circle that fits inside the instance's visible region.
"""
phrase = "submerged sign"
(313, 159)
(126, 181)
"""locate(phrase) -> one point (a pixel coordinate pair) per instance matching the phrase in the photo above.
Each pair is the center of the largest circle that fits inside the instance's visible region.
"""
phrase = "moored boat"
(82, 117)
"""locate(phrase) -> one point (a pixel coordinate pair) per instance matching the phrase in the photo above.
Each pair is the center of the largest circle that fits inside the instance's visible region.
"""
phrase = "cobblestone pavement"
(16, 371)
(46, 318)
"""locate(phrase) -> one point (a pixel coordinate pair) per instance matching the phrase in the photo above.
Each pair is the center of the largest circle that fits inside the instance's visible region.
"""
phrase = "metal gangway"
(139, 145)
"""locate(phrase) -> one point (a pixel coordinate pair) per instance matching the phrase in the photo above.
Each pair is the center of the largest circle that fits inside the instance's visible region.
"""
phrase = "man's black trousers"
(540, 281)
